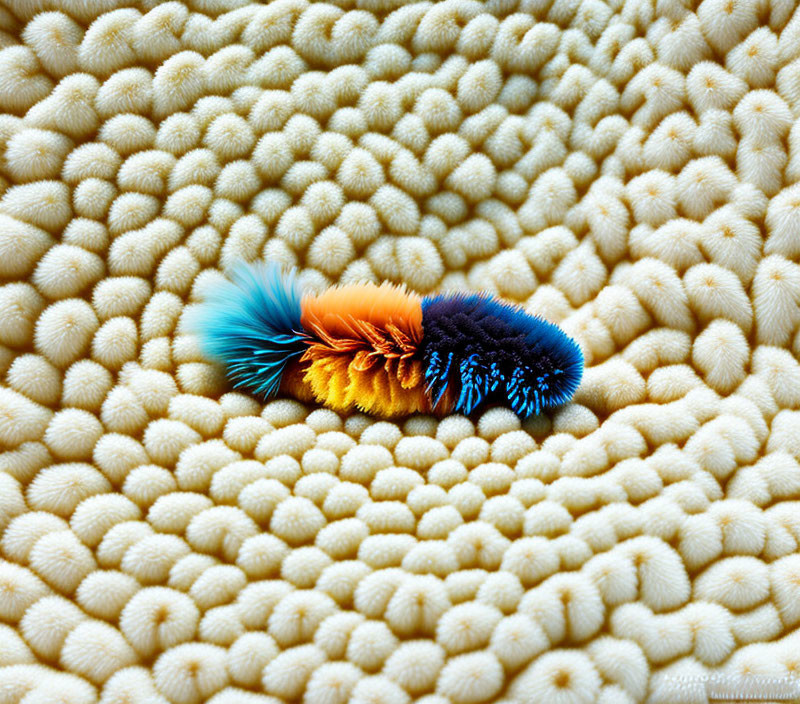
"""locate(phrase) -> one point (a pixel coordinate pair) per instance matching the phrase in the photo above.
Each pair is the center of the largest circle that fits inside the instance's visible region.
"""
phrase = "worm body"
(382, 349)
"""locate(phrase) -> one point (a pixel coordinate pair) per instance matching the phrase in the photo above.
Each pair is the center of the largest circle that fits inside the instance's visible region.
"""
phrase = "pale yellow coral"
(624, 170)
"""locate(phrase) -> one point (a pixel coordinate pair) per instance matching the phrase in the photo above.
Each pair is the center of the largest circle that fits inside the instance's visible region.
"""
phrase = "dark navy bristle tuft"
(252, 325)
(483, 350)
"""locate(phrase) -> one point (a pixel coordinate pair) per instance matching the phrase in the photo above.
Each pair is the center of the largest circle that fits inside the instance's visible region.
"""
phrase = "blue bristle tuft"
(485, 350)
(252, 325)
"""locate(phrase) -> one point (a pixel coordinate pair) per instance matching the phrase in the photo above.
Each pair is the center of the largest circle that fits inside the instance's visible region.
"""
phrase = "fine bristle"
(252, 325)
(477, 350)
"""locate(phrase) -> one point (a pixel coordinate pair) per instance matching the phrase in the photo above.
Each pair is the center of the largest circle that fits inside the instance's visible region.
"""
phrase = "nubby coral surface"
(398, 511)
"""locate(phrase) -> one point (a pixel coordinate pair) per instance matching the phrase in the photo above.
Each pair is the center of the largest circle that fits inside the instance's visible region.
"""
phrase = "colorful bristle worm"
(382, 349)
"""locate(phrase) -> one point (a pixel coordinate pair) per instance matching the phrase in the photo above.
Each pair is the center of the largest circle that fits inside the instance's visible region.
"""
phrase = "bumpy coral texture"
(629, 169)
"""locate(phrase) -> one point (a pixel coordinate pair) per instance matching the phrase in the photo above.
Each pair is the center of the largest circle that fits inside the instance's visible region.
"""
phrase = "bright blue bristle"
(485, 350)
(252, 325)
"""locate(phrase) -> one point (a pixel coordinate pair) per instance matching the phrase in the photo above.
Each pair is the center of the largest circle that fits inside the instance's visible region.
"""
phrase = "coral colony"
(382, 349)
(629, 169)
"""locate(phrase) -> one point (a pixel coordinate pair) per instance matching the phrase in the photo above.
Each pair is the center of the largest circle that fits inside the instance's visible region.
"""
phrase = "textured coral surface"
(629, 169)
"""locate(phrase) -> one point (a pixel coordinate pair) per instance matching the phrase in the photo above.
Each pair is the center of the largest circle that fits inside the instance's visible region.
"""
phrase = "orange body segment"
(338, 311)
(364, 354)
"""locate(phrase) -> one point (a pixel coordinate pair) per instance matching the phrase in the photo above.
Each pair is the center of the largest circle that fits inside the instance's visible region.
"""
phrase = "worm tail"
(252, 325)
